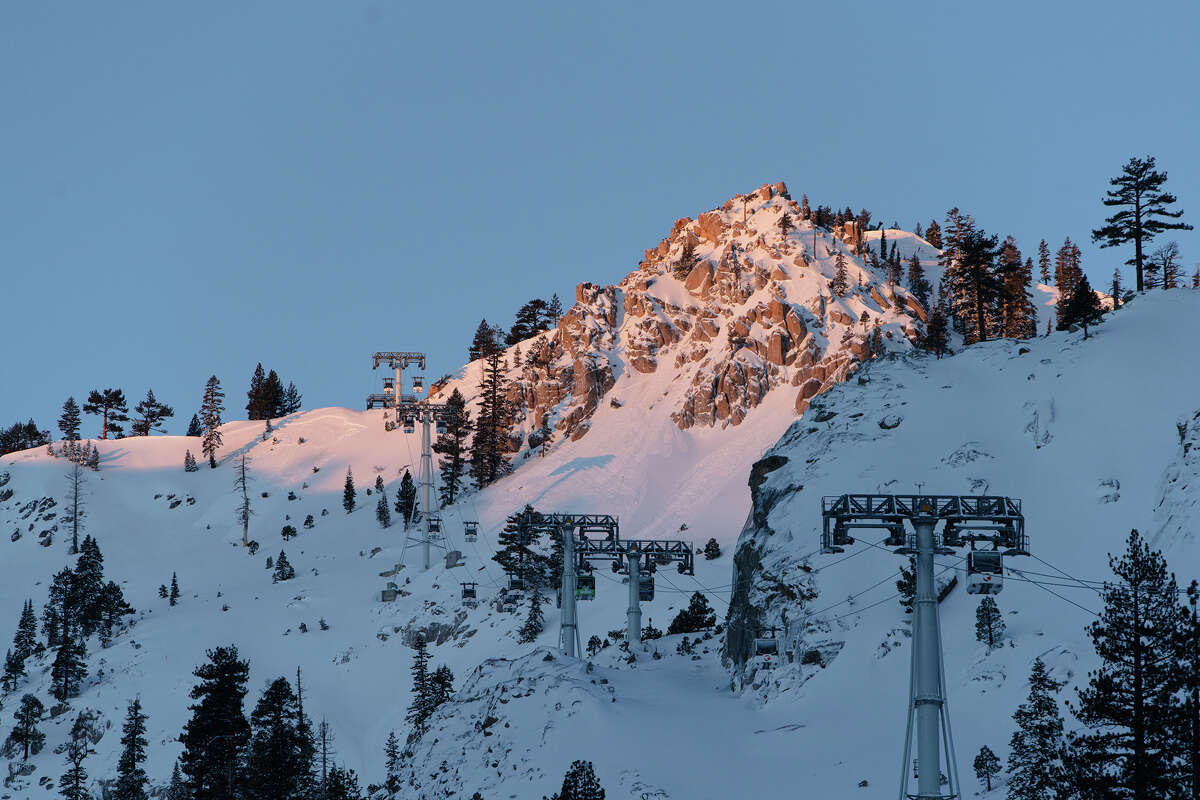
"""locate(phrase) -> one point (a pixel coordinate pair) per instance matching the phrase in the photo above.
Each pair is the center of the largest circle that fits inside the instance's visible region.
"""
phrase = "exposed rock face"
(750, 313)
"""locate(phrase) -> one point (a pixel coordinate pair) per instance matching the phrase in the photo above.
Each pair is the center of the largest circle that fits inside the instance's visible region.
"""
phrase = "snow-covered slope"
(660, 447)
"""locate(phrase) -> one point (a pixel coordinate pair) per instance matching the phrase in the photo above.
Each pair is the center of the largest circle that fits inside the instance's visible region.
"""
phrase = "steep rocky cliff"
(728, 307)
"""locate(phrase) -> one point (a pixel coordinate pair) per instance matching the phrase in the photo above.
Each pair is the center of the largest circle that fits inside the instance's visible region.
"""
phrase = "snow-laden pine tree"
(382, 513)
(535, 621)
(418, 709)
(283, 569)
(987, 766)
(70, 420)
(392, 782)
(1035, 770)
(841, 278)
(211, 408)
(580, 783)
(989, 624)
(406, 499)
(348, 492)
(173, 596)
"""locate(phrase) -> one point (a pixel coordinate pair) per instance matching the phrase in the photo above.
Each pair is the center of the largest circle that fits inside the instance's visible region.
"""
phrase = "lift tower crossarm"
(401, 358)
(962, 514)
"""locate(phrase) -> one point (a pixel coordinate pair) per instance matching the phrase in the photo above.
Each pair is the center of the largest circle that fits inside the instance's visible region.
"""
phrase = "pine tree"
(1188, 659)
(1035, 750)
(189, 462)
(151, 413)
(488, 460)
(580, 783)
(69, 667)
(452, 447)
(933, 234)
(441, 687)
(975, 290)
(1144, 211)
(987, 766)
(75, 511)
(25, 639)
(382, 514)
(215, 737)
(406, 499)
(1116, 288)
(241, 485)
(254, 396)
(14, 670)
(272, 396)
(687, 258)
(274, 768)
(534, 621)
(173, 596)
(306, 746)
(131, 778)
(1132, 700)
(917, 284)
(530, 321)
(1166, 260)
(391, 753)
(292, 400)
(712, 550)
(177, 788)
(805, 211)
(1018, 314)
(342, 784)
(989, 624)
(211, 408)
(86, 588)
(418, 710)
(348, 493)
(1044, 262)
(484, 343)
(25, 733)
(1082, 308)
(70, 420)
(785, 224)
(111, 406)
(73, 783)
(514, 551)
(841, 278)
(61, 605)
(194, 428)
(1067, 268)
(698, 616)
(554, 311)
(283, 570)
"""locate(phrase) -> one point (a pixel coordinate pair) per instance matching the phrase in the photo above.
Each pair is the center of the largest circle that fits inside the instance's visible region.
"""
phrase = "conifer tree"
(111, 407)
(151, 413)
(488, 460)
(917, 284)
(1188, 659)
(274, 767)
(712, 550)
(211, 408)
(194, 427)
(25, 639)
(1166, 261)
(1196, 278)
(989, 624)
(292, 400)
(785, 224)
(1082, 307)
(805, 211)
(531, 319)
(14, 670)
(534, 622)
(1144, 211)
(937, 332)
(452, 447)
(406, 499)
(382, 513)
(1132, 700)
(25, 733)
(306, 744)
(1116, 288)
(391, 754)
(907, 586)
(418, 710)
(1035, 768)
(177, 788)
(554, 311)
(1018, 314)
(441, 687)
(189, 462)
(283, 570)
(69, 667)
(272, 396)
(131, 778)
(72, 785)
(342, 784)
(514, 553)
(1044, 262)
(933, 234)
(484, 343)
(214, 739)
(841, 278)
(580, 783)
(173, 596)
(254, 396)
(687, 258)
(987, 766)
(70, 420)
(75, 511)
(348, 492)
(698, 616)
(975, 289)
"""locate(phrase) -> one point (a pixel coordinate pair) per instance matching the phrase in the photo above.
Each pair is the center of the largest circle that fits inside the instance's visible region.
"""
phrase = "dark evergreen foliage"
(698, 616)
(348, 492)
(840, 284)
(907, 586)
(214, 739)
(987, 766)
(406, 499)
(173, 596)
(535, 621)
(579, 783)
(419, 708)
(275, 767)
(452, 447)
(383, 514)
(490, 443)
(22, 436)
(1035, 769)
(131, 778)
(70, 420)
(1044, 262)
(933, 234)
(292, 400)
(151, 414)
(391, 752)
(484, 343)
(25, 733)
(515, 553)
(341, 784)
(1144, 211)
(211, 408)
(73, 783)
(989, 624)
(283, 570)
(194, 427)
(1082, 307)
(189, 462)
(712, 550)
(111, 407)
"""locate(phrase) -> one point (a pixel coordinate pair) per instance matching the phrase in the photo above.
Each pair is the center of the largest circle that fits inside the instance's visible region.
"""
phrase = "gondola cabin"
(441, 426)
(435, 523)
(985, 572)
(585, 587)
(645, 588)
(468, 591)
(418, 384)
(410, 424)
(516, 583)
(471, 531)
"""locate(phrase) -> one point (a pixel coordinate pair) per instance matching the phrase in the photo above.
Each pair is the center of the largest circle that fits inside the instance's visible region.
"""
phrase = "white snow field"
(1084, 432)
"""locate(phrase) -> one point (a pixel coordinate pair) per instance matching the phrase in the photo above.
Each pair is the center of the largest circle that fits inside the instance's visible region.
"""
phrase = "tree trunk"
(1137, 236)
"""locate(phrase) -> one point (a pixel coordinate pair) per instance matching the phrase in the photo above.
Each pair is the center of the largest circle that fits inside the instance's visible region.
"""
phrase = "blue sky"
(189, 190)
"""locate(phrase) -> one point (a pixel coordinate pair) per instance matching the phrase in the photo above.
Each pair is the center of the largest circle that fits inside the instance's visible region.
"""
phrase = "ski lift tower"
(997, 520)
(412, 409)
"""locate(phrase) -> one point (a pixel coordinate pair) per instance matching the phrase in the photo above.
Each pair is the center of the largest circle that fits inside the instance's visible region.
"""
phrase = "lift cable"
(1056, 594)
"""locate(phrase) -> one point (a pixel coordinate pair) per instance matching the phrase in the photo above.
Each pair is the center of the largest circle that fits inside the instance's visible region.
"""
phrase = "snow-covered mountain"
(664, 392)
